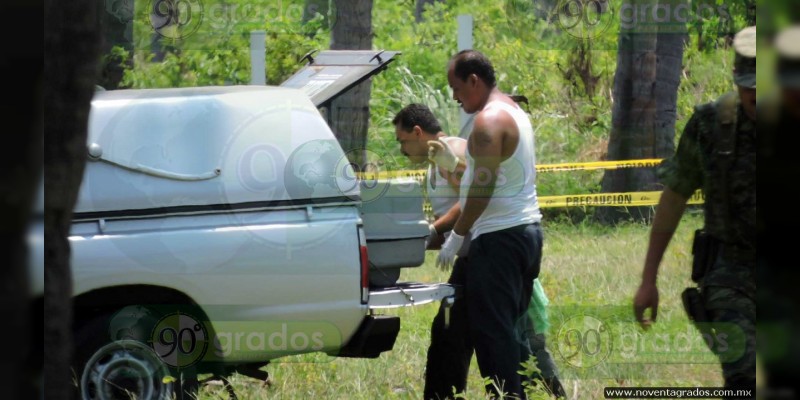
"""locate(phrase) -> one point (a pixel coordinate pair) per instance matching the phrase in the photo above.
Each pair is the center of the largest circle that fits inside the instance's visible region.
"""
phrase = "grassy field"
(590, 274)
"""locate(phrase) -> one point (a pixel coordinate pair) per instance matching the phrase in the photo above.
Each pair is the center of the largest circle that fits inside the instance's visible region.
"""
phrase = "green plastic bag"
(537, 310)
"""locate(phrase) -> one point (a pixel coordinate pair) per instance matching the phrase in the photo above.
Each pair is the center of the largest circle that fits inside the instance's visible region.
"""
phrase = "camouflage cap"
(787, 44)
(744, 43)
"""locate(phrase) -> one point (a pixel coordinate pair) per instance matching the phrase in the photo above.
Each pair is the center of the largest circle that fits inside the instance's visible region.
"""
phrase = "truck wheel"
(114, 360)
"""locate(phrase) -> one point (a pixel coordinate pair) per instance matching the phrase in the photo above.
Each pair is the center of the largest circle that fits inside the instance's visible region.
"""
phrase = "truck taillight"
(364, 275)
(362, 241)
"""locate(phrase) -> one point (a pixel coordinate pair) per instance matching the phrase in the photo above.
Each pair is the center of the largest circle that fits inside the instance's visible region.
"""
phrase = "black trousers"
(451, 347)
(497, 277)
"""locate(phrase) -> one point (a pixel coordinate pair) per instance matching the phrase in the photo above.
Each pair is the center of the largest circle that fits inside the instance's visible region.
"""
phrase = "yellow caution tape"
(629, 199)
(632, 199)
(418, 174)
(583, 166)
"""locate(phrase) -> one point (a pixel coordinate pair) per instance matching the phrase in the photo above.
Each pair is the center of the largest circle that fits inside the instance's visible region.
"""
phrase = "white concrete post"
(258, 58)
(464, 41)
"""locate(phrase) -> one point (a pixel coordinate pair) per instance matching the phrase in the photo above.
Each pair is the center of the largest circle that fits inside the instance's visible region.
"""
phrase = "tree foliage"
(566, 76)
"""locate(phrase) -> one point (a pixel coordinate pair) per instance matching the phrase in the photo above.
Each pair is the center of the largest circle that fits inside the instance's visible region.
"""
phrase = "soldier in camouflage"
(716, 153)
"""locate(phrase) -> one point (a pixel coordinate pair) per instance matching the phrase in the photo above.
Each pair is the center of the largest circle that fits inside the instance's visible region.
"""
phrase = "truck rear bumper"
(409, 294)
(378, 333)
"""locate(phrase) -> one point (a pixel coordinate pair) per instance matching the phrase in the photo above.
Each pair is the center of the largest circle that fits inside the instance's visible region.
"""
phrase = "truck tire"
(114, 360)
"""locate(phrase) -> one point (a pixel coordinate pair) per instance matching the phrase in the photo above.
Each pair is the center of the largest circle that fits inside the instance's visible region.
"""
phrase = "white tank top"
(441, 195)
(514, 200)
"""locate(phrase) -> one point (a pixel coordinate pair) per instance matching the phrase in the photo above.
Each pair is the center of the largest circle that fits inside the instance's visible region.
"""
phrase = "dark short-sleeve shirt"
(683, 172)
(695, 165)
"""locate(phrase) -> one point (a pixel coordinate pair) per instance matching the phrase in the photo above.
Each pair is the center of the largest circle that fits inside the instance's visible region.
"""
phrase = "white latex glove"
(449, 250)
(442, 154)
(431, 235)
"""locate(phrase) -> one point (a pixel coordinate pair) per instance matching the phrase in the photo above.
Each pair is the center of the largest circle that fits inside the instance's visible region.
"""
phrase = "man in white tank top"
(499, 208)
(447, 367)
(537, 309)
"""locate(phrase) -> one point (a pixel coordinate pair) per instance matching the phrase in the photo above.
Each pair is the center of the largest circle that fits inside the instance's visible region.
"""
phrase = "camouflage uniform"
(728, 287)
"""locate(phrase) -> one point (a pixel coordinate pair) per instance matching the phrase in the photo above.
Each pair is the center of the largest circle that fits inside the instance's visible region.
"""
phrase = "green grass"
(590, 274)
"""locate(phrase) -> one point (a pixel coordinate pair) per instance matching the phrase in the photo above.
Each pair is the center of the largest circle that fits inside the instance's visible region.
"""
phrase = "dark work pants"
(491, 316)
(451, 348)
(731, 306)
(502, 267)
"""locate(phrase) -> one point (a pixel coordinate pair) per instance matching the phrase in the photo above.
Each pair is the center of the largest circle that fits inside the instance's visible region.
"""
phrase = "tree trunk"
(116, 24)
(544, 9)
(420, 9)
(70, 71)
(669, 59)
(750, 14)
(314, 7)
(643, 118)
(20, 165)
(350, 112)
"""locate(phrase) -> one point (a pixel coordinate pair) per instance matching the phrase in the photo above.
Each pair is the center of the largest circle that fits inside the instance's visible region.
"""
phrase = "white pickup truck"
(218, 228)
